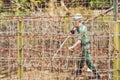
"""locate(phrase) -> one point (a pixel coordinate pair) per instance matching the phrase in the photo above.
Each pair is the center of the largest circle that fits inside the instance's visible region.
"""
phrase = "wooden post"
(116, 64)
(20, 49)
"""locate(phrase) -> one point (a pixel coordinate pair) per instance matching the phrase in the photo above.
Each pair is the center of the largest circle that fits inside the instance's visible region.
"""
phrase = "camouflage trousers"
(85, 58)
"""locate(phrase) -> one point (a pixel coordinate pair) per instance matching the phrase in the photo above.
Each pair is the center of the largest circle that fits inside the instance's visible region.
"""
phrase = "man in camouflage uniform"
(84, 41)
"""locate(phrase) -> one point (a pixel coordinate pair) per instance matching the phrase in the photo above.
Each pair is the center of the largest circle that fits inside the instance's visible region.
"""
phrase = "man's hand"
(71, 48)
(75, 45)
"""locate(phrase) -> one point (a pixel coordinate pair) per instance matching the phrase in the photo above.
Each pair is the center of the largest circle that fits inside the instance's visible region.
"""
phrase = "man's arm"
(75, 45)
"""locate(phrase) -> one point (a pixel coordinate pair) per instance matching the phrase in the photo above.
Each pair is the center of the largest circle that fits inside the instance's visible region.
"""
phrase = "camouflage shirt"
(83, 35)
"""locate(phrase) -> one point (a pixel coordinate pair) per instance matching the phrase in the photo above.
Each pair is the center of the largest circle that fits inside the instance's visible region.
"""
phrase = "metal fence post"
(115, 10)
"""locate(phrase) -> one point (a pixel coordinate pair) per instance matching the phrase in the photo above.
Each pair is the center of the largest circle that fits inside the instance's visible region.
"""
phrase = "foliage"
(1, 4)
(26, 7)
(100, 3)
(19, 7)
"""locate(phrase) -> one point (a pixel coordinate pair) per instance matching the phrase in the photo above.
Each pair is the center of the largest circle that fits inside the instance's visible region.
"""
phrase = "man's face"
(76, 23)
